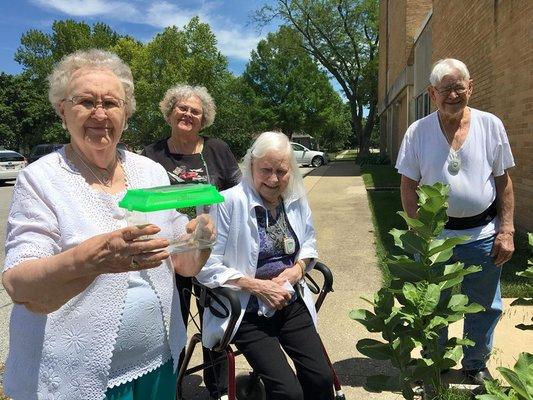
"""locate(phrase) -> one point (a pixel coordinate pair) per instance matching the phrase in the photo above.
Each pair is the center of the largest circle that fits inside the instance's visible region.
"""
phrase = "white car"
(11, 163)
(309, 157)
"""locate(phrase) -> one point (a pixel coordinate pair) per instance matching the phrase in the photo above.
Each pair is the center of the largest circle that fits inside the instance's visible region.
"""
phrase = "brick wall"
(495, 40)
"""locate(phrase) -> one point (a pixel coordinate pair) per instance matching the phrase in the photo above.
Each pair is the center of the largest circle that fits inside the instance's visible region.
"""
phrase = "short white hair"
(446, 66)
(183, 92)
(62, 73)
(278, 142)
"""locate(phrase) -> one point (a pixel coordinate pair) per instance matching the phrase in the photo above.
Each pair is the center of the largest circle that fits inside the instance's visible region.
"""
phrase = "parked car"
(11, 163)
(42, 150)
(309, 157)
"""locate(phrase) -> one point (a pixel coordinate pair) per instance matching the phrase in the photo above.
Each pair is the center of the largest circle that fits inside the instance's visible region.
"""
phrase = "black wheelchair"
(245, 387)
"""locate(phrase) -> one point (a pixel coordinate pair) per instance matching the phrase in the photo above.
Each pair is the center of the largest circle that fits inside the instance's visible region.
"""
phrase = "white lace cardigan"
(66, 355)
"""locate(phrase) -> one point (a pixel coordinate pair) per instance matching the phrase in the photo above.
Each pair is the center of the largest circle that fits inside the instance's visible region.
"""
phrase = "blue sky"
(141, 19)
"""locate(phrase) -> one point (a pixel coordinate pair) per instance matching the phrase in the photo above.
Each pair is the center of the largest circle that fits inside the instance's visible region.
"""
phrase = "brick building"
(494, 38)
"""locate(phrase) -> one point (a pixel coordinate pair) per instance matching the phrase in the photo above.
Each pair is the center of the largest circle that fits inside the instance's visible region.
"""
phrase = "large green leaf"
(408, 241)
(438, 245)
(442, 250)
(411, 294)
(521, 377)
(407, 269)
(437, 190)
(411, 222)
(371, 322)
(429, 299)
(436, 323)
(374, 349)
(457, 301)
(515, 381)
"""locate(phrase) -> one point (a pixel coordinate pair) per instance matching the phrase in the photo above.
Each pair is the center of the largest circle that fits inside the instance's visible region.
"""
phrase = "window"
(297, 147)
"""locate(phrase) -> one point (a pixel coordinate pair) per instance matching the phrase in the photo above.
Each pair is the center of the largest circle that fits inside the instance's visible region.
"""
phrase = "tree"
(291, 92)
(38, 52)
(25, 116)
(342, 35)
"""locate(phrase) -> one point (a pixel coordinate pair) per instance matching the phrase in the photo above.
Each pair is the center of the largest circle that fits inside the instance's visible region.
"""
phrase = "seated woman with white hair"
(266, 243)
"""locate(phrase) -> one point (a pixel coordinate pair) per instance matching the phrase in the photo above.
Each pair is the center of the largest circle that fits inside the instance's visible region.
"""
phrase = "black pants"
(260, 339)
(215, 377)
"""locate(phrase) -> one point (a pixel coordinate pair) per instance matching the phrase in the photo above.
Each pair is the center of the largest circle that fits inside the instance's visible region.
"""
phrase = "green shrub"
(412, 311)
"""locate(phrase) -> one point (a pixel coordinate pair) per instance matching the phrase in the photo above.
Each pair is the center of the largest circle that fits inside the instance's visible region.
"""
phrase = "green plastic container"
(144, 206)
(171, 197)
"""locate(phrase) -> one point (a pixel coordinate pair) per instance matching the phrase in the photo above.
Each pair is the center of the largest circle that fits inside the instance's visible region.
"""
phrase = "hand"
(292, 274)
(272, 294)
(122, 250)
(503, 248)
(203, 228)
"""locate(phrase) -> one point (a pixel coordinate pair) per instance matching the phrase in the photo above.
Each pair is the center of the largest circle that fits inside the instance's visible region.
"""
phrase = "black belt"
(474, 221)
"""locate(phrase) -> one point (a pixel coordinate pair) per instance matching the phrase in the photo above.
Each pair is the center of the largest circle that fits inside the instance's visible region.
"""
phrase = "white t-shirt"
(425, 154)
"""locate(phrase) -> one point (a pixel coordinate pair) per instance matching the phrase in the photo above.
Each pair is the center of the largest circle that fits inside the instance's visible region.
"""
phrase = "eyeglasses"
(184, 109)
(459, 90)
(91, 104)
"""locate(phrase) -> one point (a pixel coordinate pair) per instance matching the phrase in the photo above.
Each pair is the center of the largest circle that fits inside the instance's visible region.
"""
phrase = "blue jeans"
(482, 287)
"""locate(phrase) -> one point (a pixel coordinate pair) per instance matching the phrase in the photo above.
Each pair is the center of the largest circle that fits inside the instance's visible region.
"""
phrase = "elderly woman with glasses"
(265, 245)
(96, 314)
(193, 158)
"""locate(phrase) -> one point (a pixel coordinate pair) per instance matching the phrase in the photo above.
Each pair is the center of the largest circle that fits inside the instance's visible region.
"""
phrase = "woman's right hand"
(273, 295)
(122, 250)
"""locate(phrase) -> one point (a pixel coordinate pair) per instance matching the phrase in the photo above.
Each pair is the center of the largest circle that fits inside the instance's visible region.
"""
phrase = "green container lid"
(170, 197)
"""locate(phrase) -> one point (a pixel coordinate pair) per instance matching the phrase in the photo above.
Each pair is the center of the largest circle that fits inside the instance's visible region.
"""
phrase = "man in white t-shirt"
(469, 150)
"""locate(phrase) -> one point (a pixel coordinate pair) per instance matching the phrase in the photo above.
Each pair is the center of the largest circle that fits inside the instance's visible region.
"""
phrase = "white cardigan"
(65, 355)
(236, 251)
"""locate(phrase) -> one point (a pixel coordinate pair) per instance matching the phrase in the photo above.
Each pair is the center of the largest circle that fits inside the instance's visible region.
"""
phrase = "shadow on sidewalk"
(354, 371)
(337, 168)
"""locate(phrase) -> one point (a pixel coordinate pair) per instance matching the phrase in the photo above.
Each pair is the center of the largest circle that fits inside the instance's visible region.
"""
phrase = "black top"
(216, 160)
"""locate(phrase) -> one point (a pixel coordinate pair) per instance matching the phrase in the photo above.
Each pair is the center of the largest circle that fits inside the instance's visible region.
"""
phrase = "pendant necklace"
(104, 181)
(280, 229)
(454, 161)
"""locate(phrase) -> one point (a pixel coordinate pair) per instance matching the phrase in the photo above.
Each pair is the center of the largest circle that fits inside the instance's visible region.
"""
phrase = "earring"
(64, 125)
(126, 126)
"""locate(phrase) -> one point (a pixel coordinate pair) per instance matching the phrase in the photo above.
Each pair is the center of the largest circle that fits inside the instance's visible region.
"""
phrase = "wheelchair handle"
(234, 313)
(328, 276)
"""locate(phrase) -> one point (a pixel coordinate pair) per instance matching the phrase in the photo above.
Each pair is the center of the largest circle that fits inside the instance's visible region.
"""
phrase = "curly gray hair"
(92, 58)
(182, 92)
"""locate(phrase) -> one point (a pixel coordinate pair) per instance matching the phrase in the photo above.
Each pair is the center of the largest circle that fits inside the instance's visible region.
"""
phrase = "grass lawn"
(346, 155)
(384, 205)
(379, 176)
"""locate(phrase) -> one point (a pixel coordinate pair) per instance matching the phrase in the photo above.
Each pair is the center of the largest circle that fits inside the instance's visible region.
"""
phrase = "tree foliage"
(342, 35)
(282, 87)
(291, 92)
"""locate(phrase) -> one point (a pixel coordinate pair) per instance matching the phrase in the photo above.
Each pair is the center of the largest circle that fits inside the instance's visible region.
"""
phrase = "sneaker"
(477, 376)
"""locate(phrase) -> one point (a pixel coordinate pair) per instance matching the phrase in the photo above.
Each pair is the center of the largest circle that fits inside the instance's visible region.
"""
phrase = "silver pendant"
(289, 245)
(454, 163)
